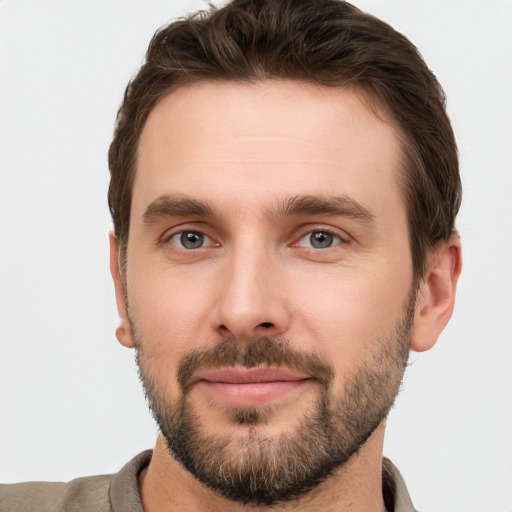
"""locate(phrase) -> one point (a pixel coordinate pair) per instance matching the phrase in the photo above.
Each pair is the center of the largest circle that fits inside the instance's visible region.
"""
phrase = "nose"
(251, 301)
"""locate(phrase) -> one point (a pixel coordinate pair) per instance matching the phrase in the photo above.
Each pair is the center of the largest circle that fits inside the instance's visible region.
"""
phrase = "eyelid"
(184, 228)
(307, 242)
(307, 230)
(207, 241)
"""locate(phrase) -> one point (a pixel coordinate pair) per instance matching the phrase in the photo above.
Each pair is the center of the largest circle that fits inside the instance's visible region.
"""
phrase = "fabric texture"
(120, 492)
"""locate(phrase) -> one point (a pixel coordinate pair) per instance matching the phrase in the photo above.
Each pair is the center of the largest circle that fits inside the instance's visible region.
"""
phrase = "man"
(284, 187)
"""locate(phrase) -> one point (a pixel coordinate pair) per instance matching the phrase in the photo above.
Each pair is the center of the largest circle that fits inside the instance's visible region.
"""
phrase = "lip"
(245, 387)
(249, 375)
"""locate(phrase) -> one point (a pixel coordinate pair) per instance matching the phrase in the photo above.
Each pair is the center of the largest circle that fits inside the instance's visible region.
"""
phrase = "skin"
(244, 150)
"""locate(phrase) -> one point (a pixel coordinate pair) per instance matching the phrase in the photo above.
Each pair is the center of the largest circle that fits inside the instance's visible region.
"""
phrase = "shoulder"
(104, 493)
(90, 492)
(30, 496)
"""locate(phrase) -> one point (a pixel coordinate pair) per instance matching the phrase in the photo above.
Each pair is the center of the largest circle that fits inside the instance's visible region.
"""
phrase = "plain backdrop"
(70, 400)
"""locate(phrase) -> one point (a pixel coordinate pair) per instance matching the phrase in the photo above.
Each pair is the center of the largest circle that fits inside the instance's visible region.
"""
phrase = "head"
(249, 41)
(283, 202)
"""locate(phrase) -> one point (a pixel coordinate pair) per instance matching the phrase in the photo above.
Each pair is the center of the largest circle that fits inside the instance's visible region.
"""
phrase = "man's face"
(268, 281)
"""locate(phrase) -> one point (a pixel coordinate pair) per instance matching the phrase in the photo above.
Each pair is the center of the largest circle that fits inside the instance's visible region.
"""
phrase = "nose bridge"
(250, 303)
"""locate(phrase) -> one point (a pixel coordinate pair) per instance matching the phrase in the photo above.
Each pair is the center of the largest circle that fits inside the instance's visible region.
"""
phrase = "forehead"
(269, 138)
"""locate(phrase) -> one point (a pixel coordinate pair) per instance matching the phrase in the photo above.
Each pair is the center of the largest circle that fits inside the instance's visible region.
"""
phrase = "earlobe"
(436, 294)
(123, 332)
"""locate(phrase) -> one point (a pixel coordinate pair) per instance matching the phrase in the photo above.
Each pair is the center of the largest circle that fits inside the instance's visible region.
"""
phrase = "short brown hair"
(326, 42)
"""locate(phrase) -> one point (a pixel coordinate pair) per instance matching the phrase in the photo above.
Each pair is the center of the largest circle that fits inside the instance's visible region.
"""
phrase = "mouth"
(246, 387)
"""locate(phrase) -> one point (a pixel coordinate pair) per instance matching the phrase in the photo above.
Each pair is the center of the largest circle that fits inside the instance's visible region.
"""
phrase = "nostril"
(266, 325)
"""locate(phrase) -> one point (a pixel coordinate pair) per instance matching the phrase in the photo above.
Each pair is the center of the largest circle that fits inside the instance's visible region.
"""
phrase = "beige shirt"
(120, 492)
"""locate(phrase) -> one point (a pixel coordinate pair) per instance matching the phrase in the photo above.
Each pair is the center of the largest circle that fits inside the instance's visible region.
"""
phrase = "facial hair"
(275, 469)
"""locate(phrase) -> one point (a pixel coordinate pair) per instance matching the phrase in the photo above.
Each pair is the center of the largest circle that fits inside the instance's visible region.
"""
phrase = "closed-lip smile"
(245, 387)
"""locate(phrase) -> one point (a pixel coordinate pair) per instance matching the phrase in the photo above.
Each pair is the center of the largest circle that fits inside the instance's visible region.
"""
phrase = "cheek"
(167, 325)
(170, 316)
(345, 313)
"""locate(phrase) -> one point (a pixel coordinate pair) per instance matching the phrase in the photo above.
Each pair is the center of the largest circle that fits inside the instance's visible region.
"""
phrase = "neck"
(356, 487)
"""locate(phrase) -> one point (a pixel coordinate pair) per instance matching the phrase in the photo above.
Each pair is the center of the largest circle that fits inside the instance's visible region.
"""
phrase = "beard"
(261, 469)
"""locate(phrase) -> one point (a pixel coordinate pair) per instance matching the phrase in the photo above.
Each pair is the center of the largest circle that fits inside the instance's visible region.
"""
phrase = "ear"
(124, 331)
(436, 294)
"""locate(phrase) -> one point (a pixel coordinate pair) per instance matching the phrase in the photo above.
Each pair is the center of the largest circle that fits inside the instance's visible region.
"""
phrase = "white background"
(70, 401)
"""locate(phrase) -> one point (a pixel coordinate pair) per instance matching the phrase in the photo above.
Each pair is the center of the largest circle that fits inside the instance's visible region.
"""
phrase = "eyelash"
(183, 232)
(337, 239)
(309, 234)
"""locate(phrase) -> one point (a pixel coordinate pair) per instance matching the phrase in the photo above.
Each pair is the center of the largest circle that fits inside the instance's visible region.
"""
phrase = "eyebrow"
(183, 206)
(342, 206)
(175, 206)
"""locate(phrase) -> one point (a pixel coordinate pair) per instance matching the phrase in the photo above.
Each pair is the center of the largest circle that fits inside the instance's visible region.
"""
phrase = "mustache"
(265, 351)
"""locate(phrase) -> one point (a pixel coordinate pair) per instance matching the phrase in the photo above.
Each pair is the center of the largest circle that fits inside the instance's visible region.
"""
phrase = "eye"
(190, 240)
(319, 240)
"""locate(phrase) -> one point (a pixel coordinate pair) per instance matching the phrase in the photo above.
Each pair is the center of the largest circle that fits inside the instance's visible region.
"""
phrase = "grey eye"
(319, 240)
(189, 239)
